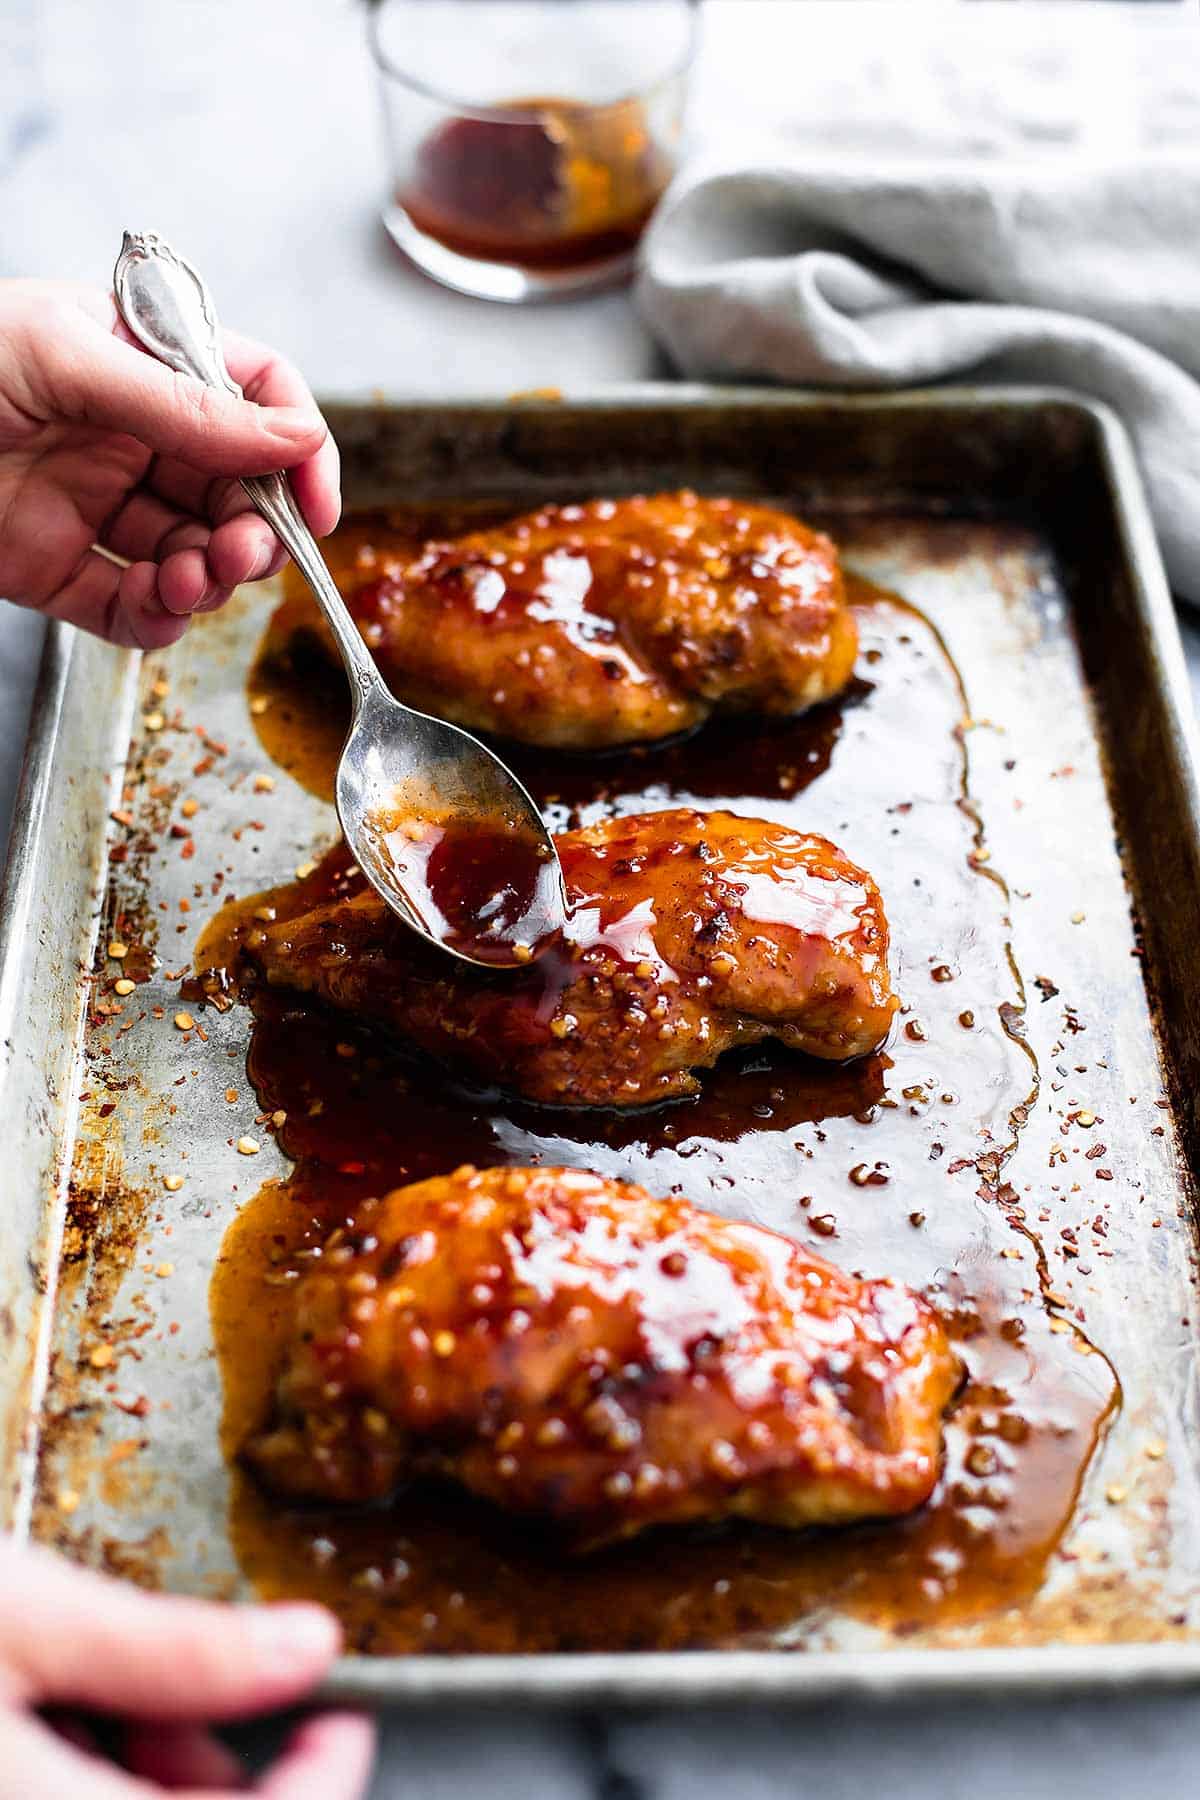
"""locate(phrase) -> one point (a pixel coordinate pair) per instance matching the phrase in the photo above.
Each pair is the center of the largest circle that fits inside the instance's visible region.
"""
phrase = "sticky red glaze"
(690, 933)
(769, 1137)
(568, 1345)
(609, 623)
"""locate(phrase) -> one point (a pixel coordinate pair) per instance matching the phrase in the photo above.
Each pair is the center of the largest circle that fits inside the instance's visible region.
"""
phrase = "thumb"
(97, 379)
(72, 1637)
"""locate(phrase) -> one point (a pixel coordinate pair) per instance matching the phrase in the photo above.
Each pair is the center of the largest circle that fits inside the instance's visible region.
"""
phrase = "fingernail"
(291, 1639)
(297, 421)
(262, 561)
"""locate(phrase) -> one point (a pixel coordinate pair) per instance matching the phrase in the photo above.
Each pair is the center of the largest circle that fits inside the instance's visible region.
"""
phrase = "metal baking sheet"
(1014, 521)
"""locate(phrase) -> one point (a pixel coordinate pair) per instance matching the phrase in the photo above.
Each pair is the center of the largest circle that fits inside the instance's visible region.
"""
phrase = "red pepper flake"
(351, 1168)
(188, 850)
(1104, 1174)
(203, 766)
(121, 817)
(137, 1409)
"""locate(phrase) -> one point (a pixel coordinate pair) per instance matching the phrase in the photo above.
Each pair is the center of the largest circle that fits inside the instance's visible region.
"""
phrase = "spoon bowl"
(447, 835)
(441, 828)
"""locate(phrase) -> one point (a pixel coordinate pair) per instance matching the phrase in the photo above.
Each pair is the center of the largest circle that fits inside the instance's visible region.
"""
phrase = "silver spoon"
(443, 831)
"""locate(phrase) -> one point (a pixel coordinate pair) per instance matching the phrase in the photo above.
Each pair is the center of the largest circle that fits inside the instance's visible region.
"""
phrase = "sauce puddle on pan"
(893, 1165)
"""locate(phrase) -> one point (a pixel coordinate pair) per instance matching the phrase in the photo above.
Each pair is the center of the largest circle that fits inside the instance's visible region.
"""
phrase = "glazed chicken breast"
(612, 623)
(690, 933)
(570, 1347)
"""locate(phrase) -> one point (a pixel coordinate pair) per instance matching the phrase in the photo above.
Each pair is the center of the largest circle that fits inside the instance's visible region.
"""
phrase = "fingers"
(121, 604)
(316, 485)
(142, 619)
(68, 1636)
(156, 524)
(272, 381)
(182, 584)
(94, 377)
(245, 549)
(328, 1757)
(170, 512)
(146, 530)
(268, 380)
(187, 517)
(181, 1756)
(70, 1728)
(242, 549)
(174, 497)
(147, 605)
(33, 1761)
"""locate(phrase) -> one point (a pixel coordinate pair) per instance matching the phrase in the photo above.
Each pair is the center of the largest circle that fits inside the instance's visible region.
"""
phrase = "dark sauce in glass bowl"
(544, 184)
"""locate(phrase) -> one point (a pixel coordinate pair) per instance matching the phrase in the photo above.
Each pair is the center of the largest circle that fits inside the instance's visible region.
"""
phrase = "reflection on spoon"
(487, 887)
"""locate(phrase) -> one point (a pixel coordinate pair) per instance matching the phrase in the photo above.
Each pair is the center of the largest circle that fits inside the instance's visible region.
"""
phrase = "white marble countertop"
(247, 131)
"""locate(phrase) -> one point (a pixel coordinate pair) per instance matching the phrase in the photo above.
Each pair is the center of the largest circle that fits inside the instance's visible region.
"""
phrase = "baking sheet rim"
(647, 1678)
(690, 1677)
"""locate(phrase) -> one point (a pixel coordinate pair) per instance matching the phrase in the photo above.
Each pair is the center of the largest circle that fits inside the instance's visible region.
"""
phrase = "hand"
(100, 444)
(161, 1666)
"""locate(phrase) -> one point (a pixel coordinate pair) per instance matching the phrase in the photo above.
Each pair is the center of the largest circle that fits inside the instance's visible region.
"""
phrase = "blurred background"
(250, 133)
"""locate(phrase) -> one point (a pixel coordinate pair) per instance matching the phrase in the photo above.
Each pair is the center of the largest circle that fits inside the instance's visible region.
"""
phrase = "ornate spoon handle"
(168, 308)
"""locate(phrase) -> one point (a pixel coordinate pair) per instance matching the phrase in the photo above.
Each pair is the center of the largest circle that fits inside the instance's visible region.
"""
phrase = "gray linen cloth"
(1083, 275)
